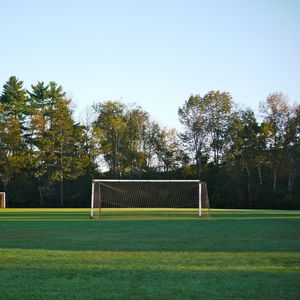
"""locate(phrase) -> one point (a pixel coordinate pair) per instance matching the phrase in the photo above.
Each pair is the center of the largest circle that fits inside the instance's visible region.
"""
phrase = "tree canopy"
(48, 159)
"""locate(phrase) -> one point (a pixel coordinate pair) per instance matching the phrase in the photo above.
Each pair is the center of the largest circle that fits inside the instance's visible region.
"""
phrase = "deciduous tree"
(276, 118)
(193, 115)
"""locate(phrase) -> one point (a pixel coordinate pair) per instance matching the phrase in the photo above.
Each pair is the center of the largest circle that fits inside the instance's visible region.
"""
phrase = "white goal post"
(144, 197)
(2, 200)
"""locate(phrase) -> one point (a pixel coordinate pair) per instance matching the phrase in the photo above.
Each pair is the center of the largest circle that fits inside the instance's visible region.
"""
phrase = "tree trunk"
(291, 179)
(41, 197)
(274, 179)
(61, 177)
(61, 201)
(259, 175)
(248, 185)
(198, 163)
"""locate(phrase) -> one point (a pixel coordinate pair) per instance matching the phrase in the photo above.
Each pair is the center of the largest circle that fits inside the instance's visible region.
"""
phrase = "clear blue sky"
(155, 53)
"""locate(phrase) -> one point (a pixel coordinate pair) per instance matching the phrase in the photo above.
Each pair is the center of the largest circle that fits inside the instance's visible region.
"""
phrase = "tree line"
(47, 159)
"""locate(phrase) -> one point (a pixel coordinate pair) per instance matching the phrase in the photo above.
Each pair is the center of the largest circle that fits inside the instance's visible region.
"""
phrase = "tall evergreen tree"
(13, 107)
(58, 142)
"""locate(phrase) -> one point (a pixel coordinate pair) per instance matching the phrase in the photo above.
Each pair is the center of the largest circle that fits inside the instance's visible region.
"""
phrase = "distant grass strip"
(141, 213)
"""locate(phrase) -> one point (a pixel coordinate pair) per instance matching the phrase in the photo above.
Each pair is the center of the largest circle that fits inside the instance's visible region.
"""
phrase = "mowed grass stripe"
(29, 274)
(233, 255)
(151, 260)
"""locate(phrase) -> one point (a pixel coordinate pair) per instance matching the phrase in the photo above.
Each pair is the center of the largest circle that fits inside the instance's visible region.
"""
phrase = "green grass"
(236, 254)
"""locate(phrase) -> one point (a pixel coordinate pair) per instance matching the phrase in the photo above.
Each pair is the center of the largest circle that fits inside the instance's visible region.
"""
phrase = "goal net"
(2, 200)
(179, 198)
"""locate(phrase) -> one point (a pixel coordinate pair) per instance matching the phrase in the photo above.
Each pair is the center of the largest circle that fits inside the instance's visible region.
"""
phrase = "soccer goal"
(178, 198)
(2, 200)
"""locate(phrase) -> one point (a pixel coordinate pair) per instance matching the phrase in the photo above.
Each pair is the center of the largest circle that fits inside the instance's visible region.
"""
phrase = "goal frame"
(2, 200)
(145, 181)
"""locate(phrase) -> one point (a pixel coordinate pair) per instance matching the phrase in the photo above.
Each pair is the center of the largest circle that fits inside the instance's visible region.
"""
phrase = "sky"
(155, 53)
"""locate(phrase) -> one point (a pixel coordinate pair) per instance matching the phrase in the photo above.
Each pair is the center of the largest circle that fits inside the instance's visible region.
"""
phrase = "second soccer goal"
(2, 200)
(178, 198)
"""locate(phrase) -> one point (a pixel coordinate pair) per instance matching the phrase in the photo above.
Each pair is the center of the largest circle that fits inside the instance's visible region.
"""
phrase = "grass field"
(236, 254)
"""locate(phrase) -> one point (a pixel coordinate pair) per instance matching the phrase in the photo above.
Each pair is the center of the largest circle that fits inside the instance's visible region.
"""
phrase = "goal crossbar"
(142, 180)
